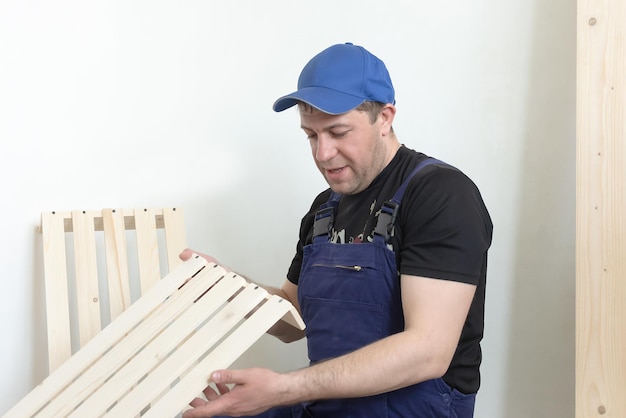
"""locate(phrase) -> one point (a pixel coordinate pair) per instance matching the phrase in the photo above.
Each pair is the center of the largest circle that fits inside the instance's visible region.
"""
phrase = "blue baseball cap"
(340, 78)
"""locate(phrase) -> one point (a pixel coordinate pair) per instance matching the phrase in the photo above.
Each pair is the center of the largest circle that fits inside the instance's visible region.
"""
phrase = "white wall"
(155, 103)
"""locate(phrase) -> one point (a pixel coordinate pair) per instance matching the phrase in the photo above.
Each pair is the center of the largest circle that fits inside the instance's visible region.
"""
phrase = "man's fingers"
(222, 388)
(223, 377)
(210, 393)
(197, 402)
(186, 254)
(203, 409)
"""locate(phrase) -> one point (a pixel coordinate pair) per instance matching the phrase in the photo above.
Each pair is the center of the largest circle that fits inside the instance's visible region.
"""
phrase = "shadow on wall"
(541, 375)
(40, 337)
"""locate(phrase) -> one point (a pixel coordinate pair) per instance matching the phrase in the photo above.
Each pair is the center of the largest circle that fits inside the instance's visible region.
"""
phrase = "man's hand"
(253, 391)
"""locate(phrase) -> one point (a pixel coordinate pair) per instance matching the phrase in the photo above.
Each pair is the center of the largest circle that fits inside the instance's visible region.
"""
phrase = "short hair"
(372, 109)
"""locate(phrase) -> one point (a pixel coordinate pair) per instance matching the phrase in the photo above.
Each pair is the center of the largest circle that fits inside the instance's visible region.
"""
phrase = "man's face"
(348, 149)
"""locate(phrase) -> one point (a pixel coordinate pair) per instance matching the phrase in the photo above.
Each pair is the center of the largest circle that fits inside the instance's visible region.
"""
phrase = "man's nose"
(325, 148)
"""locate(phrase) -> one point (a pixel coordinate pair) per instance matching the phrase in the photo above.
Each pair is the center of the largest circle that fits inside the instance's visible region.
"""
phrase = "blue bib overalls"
(349, 295)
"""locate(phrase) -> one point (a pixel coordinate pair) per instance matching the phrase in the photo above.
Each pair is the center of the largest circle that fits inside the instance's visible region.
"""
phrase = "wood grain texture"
(158, 354)
(601, 209)
(147, 248)
(116, 261)
(88, 273)
(86, 268)
(175, 237)
(55, 271)
(75, 366)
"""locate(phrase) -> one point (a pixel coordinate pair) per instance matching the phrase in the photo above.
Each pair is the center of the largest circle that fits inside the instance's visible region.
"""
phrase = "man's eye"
(339, 134)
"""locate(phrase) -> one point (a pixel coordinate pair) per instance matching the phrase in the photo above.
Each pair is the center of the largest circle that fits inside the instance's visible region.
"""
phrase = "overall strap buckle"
(389, 210)
(324, 219)
(387, 219)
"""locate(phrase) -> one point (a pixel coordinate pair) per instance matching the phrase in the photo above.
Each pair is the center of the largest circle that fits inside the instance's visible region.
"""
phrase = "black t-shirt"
(443, 231)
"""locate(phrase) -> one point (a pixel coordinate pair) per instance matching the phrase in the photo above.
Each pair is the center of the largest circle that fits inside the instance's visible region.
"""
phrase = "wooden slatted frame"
(158, 354)
(83, 225)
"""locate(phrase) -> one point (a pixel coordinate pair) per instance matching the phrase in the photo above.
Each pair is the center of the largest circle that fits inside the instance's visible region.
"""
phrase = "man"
(389, 274)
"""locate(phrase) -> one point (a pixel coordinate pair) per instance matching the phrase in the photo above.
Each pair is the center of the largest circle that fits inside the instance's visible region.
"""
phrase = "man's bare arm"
(434, 310)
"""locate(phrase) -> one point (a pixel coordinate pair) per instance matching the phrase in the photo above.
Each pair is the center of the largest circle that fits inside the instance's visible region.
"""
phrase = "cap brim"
(322, 98)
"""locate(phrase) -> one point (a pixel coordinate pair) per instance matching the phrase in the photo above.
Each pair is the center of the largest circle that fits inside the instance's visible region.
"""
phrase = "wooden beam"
(601, 209)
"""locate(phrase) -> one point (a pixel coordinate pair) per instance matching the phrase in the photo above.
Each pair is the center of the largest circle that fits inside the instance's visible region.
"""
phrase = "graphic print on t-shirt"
(344, 235)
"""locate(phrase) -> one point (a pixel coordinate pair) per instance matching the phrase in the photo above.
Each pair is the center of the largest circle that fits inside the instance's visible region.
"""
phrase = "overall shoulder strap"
(389, 210)
(325, 216)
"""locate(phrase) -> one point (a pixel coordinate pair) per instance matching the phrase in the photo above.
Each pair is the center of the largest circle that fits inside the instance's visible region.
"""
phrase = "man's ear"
(387, 114)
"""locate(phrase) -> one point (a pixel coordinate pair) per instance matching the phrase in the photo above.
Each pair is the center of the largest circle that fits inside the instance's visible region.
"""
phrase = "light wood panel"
(81, 296)
(157, 355)
(601, 210)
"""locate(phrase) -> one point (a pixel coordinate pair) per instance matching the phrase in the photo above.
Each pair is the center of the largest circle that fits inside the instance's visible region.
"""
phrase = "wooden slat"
(159, 353)
(188, 355)
(153, 325)
(116, 261)
(147, 248)
(57, 305)
(293, 318)
(118, 221)
(600, 209)
(221, 357)
(87, 293)
(114, 223)
(175, 237)
(111, 335)
(156, 355)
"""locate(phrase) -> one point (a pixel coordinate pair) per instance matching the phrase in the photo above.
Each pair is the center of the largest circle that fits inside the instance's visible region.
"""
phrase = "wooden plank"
(111, 335)
(57, 305)
(196, 319)
(293, 318)
(221, 357)
(188, 355)
(117, 261)
(600, 209)
(147, 248)
(158, 359)
(87, 293)
(175, 237)
(155, 350)
(136, 344)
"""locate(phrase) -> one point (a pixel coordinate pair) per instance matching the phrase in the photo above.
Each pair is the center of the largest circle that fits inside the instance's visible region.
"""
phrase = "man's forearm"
(392, 363)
